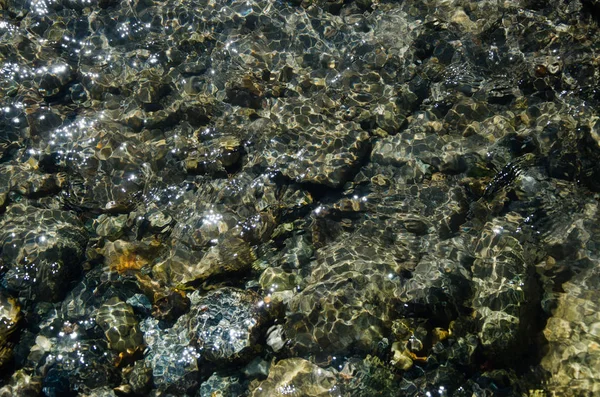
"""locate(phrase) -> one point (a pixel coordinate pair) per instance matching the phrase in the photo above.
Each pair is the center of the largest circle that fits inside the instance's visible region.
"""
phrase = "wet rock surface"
(221, 327)
(42, 251)
(286, 374)
(10, 315)
(299, 197)
(119, 324)
(22, 384)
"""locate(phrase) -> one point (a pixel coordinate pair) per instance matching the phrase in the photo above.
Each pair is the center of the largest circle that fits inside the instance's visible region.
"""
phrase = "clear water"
(300, 198)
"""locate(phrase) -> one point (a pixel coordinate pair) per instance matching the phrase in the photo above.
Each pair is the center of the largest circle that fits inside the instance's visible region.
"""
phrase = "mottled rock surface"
(120, 326)
(295, 375)
(10, 315)
(42, 250)
(222, 327)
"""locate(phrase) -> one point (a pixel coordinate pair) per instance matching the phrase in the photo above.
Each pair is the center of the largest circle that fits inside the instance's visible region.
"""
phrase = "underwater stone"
(120, 325)
(100, 392)
(111, 227)
(275, 337)
(42, 250)
(257, 368)
(225, 323)
(573, 334)
(215, 156)
(299, 376)
(318, 151)
(140, 303)
(82, 302)
(27, 180)
(222, 326)
(54, 78)
(174, 363)
(275, 279)
(169, 306)
(125, 257)
(159, 222)
(10, 315)
(140, 378)
(297, 252)
(23, 384)
(506, 292)
(307, 87)
(330, 315)
(231, 254)
(370, 375)
(224, 386)
(63, 372)
(43, 121)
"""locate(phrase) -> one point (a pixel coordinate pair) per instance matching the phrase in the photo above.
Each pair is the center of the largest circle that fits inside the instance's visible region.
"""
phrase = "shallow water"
(309, 198)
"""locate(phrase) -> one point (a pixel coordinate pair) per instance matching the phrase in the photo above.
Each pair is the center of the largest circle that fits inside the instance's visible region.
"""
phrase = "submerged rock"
(63, 371)
(507, 294)
(362, 281)
(297, 376)
(120, 325)
(345, 303)
(312, 151)
(215, 157)
(22, 383)
(221, 386)
(184, 265)
(573, 330)
(173, 361)
(225, 323)
(100, 392)
(10, 315)
(42, 251)
(222, 326)
(140, 378)
(572, 333)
